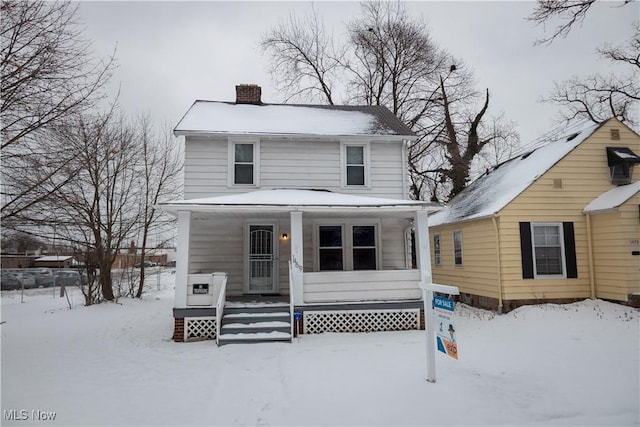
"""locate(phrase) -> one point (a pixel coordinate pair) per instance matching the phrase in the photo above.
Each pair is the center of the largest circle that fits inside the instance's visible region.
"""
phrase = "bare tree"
(98, 208)
(47, 74)
(596, 97)
(390, 59)
(159, 175)
(304, 61)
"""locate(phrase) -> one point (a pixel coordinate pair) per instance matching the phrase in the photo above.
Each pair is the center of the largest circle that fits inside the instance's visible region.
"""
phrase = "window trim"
(366, 154)
(563, 257)
(347, 241)
(437, 256)
(453, 238)
(231, 162)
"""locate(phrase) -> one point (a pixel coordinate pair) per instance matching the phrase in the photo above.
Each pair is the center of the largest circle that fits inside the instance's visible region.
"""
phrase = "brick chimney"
(248, 94)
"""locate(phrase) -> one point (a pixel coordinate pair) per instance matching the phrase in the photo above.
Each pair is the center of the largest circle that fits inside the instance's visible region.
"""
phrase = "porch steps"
(255, 322)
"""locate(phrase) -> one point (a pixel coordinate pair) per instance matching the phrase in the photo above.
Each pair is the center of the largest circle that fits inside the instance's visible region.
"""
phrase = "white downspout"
(499, 266)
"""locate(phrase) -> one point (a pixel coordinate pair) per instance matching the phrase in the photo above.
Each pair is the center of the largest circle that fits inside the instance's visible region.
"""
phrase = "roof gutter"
(380, 138)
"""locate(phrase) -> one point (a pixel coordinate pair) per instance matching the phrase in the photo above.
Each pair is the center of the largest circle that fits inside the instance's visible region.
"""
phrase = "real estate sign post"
(429, 316)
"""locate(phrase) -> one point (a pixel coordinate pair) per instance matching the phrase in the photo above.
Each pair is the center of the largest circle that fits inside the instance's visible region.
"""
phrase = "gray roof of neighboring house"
(211, 117)
(495, 189)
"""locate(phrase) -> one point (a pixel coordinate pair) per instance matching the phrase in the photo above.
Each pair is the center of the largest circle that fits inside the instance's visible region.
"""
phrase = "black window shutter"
(526, 250)
(570, 250)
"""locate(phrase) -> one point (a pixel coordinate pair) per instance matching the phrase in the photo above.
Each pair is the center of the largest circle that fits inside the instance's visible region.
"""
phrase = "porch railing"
(291, 309)
(352, 286)
(222, 291)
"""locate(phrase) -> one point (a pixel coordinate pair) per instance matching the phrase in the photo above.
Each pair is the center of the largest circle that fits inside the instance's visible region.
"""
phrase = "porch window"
(355, 159)
(364, 247)
(244, 162)
(436, 249)
(347, 247)
(330, 248)
(457, 248)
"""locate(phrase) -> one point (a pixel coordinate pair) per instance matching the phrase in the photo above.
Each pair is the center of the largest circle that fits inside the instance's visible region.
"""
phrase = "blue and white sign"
(445, 325)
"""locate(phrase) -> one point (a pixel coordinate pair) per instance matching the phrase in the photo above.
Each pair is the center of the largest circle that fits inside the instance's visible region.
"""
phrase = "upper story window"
(355, 165)
(457, 248)
(436, 249)
(244, 163)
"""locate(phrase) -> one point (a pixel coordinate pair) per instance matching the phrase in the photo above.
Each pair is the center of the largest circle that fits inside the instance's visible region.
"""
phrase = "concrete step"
(255, 327)
(255, 337)
(232, 308)
(255, 317)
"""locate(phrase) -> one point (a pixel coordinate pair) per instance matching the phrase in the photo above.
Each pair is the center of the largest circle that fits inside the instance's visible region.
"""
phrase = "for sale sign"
(445, 325)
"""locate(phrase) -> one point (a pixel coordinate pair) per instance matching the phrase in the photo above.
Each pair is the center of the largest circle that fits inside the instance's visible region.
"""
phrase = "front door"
(261, 259)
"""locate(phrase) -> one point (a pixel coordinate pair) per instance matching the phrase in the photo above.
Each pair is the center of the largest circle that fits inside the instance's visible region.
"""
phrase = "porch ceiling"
(311, 202)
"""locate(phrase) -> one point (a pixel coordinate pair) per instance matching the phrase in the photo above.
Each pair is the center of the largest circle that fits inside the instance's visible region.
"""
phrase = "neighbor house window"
(243, 163)
(548, 250)
(457, 248)
(436, 249)
(355, 165)
(349, 246)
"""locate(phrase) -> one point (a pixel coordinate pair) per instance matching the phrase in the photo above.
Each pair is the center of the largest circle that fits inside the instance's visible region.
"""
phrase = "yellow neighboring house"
(557, 224)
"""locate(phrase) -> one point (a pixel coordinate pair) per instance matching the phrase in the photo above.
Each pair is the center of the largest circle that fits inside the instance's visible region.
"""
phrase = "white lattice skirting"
(199, 328)
(360, 321)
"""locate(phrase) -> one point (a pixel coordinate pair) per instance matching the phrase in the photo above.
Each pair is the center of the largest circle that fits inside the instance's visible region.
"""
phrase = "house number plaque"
(200, 288)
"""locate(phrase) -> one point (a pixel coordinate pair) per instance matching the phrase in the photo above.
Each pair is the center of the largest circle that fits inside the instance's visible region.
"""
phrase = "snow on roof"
(494, 190)
(613, 198)
(283, 119)
(294, 199)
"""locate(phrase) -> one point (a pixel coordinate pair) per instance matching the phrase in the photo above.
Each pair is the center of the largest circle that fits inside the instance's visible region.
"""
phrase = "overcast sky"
(172, 53)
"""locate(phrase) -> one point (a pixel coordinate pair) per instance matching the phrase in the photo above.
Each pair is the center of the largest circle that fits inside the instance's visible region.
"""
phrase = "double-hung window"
(457, 248)
(436, 249)
(548, 250)
(355, 160)
(349, 246)
(330, 248)
(243, 163)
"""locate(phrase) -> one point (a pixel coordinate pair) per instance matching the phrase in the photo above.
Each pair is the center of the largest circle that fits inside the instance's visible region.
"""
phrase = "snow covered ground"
(115, 364)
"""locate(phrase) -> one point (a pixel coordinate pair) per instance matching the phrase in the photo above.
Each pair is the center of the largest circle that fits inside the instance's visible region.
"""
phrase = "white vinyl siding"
(305, 164)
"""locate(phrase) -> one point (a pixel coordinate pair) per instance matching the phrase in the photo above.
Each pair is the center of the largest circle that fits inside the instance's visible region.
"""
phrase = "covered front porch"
(319, 249)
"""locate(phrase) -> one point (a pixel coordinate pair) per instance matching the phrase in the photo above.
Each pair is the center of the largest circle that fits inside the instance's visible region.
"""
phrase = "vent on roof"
(572, 136)
(525, 155)
(621, 161)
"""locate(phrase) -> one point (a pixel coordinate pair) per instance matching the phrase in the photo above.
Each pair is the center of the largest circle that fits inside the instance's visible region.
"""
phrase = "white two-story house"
(298, 212)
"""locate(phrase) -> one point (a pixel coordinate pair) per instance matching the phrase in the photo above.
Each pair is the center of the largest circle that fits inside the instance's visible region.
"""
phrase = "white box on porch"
(200, 290)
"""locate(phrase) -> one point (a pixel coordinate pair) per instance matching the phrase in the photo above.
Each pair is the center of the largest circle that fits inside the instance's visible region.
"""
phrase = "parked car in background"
(67, 278)
(146, 264)
(17, 279)
(43, 276)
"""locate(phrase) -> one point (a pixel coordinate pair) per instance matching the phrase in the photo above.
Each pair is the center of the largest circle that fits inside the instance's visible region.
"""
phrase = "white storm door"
(261, 259)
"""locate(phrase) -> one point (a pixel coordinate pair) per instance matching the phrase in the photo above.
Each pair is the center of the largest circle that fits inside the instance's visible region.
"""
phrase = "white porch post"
(423, 255)
(297, 262)
(182, 259)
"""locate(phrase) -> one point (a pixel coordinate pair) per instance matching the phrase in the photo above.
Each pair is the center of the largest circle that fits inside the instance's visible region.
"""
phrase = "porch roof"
(289, 200)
